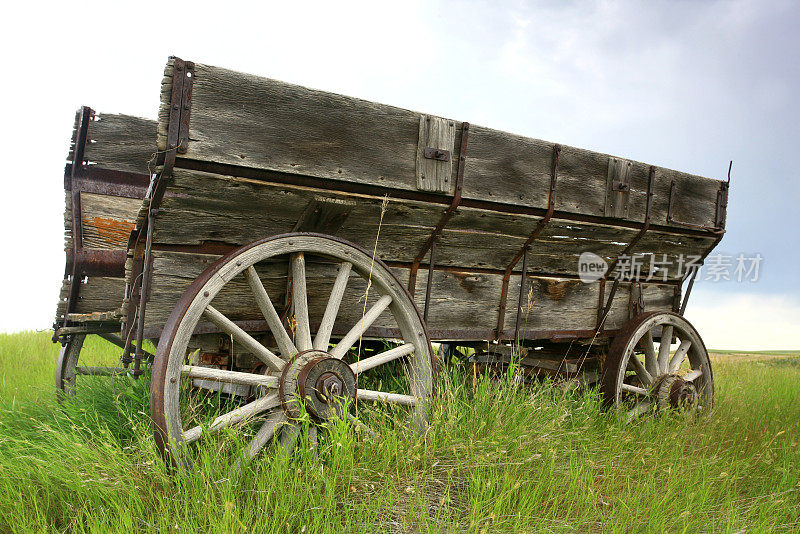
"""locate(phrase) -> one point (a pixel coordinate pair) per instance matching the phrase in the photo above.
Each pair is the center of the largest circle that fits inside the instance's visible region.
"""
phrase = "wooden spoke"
(693, 374)
(239, 414)
(282, 338)
(650, 360)
(383, 357)
(300, 301)
(332, 310)
(663, 350)
(679, 356)
(243, 338)
(357, 331)
(313, 441)
(633, 389)
(229, 377)
(289, 434)
(388, 398)
(264, 434)
(262, 437)
(359, 426)
(641, 372)
(639, 409)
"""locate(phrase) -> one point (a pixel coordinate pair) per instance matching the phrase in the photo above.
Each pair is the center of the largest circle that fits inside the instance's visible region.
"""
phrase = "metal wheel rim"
(166, 378)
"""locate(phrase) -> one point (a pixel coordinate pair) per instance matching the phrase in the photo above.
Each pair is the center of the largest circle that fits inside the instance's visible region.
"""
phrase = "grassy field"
(496, 458)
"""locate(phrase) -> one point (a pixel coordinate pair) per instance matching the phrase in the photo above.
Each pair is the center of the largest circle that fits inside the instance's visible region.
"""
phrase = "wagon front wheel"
(67, 364)
(642, 373)
(310, 359)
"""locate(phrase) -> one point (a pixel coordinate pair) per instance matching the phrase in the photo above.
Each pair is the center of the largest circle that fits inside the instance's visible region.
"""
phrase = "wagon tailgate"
(112, 181)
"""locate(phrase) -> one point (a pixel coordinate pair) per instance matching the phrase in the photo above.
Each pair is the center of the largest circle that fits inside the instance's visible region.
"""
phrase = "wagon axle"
(324, 385)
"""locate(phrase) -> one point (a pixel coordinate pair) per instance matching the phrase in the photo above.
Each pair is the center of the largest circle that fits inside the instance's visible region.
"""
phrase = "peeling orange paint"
(113, 232)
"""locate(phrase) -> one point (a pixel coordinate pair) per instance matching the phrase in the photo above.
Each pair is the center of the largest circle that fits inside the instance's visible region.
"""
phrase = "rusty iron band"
(85, 116)
(602, 311)
(177, 142)
(522, 254)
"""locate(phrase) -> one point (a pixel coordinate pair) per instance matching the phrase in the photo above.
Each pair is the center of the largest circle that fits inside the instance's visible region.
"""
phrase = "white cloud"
(745, 321)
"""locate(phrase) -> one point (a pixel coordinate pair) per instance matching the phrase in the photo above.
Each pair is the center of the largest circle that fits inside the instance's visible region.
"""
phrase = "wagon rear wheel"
(304, 368)
(641, 374)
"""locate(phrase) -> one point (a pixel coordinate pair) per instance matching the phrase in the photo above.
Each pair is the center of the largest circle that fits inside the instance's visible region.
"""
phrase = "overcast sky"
(684, 85)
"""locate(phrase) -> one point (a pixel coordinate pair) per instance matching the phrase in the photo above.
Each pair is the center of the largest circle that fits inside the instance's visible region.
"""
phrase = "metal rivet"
(205, 293)
(239, 263)
(173, 380)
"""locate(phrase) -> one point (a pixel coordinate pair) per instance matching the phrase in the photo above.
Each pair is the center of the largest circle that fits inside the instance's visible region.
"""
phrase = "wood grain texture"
(245, 120)
(619, 173)
(432, 174)
(107, 220)
(122, 143)
(98, 294)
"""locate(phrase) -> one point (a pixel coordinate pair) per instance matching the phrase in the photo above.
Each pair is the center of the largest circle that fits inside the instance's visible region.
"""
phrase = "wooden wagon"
(284, 246)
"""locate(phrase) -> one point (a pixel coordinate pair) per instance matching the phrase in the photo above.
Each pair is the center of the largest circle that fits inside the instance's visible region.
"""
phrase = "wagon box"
(293, 243)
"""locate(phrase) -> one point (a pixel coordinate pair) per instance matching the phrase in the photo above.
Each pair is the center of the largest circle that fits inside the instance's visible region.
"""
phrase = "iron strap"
(81, 135)
(177, 142)
(601, 316)
(551, 203)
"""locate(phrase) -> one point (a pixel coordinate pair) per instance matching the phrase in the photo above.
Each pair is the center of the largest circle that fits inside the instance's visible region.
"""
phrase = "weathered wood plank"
(245, 120)
(98, 294)
(107, 220)
(208, 207)
(435, 170)
(122, 143)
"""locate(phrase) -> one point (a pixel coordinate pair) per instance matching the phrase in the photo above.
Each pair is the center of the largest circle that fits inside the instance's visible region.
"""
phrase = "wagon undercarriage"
(337, 237)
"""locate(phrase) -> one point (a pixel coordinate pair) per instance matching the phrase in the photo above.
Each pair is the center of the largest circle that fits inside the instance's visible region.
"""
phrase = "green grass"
(765, 352)
(496, 458)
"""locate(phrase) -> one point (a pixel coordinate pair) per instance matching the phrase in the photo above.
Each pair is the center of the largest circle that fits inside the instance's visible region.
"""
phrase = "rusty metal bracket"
(551, 203)
(720, 217)
(85, 116)
(429, 283)
(523, 279)
(685, 300)
(438, 154)
(448, 214)
(601, 317)
(719, 213)
(97, 262)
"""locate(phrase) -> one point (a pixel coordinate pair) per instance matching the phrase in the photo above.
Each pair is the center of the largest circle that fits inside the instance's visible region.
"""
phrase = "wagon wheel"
(641, 377)
(305, 368)
(67, 364)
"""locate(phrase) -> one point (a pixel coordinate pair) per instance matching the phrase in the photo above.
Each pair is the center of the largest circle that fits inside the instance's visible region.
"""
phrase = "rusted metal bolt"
(329, 385)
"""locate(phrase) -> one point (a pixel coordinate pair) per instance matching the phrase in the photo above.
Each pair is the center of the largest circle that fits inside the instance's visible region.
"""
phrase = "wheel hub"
(672, 391)
(324, 385)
